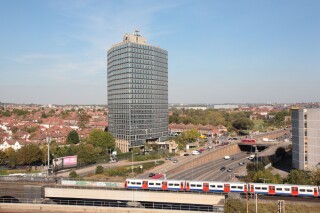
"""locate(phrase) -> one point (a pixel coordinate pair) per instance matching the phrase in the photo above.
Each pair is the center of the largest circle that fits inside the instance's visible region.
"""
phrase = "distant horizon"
(182, 104)
(218, 51)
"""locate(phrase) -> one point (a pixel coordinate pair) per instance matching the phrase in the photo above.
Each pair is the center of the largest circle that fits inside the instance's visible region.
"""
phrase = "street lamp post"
(48, 142)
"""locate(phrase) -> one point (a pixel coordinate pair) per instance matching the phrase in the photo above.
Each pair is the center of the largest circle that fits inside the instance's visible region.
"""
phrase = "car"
(151, 174)
(175, 161)
(223, 168)
(229, 170)
(195, 152)
(241, 163)
(233, 158)
(186, 154)
(227, 157)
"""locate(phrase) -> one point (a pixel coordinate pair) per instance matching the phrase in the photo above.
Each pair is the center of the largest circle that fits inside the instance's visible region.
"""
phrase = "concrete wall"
(21, 191)
(147, 196)
(35, 208)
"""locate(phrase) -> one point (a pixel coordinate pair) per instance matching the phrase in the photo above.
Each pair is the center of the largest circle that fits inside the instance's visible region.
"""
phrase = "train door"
(226, 188)
(245, 189)
(181, 186)
(205, 187)
(251, 188)
(315, 192)
(144, 184)
(126, 184)
(187, 186)
(294, 191)
(164, 185)
(272, 190)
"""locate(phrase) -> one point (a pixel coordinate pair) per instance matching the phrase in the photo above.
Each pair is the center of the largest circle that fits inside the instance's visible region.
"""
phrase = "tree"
(298, 177)
(3, 157)
(29, 154)
(73, 174)
(243, 124)
(73, 137)
(87, 154)
(83, 119)
(315, 177)
(99, 169)
(102, 139)
(190, 135)
(12, 157)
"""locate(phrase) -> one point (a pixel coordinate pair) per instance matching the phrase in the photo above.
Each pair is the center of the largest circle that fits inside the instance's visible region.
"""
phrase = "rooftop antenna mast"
(136, 32)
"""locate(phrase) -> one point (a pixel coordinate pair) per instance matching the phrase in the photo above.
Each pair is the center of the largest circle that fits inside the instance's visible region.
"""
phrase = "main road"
(211, 171)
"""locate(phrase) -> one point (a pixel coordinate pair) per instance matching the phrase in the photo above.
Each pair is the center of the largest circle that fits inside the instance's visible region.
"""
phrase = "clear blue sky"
(219, 51)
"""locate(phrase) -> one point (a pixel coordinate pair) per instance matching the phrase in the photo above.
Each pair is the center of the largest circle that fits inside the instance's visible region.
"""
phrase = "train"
(224, 187)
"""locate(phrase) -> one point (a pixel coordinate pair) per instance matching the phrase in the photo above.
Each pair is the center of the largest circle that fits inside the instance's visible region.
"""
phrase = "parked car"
(229, 170)
(152, 174)
(223, 168)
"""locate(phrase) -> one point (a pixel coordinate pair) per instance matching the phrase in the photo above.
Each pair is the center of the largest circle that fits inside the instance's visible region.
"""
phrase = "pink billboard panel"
(70, 160)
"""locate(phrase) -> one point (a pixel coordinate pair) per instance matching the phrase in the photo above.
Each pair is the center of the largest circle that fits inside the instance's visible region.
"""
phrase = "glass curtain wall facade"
(137, 91)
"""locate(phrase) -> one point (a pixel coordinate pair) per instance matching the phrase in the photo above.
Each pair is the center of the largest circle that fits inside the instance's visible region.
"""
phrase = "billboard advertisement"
(65, 162)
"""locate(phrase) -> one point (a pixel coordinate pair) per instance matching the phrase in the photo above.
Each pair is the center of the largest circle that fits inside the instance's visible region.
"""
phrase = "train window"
(264, 188)
(128, 182)
(199, 185)
(240, 187)
(158, 184)
(176, 184)
(138, 183)
(286, 189)
(302, 190)
(233, 187)
(212, 186)
(170, 184)
(219, 186)
(151, 184)
(279, 189)
(258, 188)
(133, 183)
(309, 190)
(192, 185)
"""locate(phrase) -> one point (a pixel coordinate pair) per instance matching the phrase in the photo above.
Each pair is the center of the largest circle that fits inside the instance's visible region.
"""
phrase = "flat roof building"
(306, 138)
(137, 92)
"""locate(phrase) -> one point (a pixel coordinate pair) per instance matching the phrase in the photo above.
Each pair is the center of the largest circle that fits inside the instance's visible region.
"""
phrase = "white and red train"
(224, 187)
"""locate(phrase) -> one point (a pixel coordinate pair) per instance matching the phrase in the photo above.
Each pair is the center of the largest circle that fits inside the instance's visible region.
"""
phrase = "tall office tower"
(305, 138)
(137, 92)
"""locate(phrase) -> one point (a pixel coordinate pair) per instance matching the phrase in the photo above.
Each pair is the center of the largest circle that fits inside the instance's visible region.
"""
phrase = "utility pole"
(247, 197)
(256, 203)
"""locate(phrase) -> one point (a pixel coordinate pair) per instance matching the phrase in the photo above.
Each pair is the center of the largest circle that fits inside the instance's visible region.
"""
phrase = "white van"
(195, 152)
(227, 157)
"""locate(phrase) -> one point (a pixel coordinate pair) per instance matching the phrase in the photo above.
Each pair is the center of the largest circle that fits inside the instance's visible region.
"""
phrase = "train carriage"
(224, 187)
(176, 185)
(198, 186)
